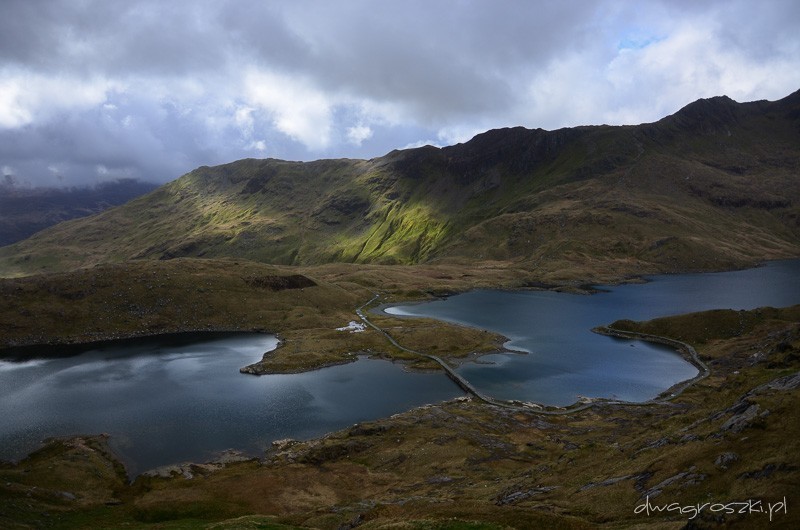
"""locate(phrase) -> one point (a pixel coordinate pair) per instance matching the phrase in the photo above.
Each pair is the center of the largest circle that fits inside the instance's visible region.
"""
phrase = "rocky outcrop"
(743, 416)
(745, 412)
(280, 283)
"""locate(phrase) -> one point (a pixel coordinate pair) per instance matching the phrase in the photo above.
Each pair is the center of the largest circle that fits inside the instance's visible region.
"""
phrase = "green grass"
(701, 328)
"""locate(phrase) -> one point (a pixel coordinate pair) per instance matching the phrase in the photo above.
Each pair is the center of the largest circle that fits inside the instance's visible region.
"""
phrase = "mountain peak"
(705, 107)
(713, 115)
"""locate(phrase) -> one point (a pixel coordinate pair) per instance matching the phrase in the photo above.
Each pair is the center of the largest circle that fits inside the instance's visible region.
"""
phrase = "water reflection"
(168, 403)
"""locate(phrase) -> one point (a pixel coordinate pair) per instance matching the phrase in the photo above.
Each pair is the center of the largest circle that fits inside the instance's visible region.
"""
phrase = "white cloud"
(299, 110)
(244, 120)
(385, 113)
(28, 97)
(12, 113)
(257, 145)
(357, 134)
(690, 63)
(456, 134)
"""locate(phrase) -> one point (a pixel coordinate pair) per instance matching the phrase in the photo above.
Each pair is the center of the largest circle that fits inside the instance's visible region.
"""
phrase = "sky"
(97, 90)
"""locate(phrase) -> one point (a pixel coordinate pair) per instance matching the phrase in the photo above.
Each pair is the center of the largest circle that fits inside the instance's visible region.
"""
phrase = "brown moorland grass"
(304, 306)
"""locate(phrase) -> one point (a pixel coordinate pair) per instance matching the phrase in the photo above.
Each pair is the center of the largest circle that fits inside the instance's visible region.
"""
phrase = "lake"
(565, 360)
(167, 400)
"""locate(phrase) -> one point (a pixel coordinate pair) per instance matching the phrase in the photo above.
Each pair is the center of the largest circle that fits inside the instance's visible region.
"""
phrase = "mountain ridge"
(714, 185)
(24, 211)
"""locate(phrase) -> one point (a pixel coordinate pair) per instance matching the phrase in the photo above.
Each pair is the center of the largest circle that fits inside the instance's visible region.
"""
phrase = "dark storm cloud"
(439, 61)
(96, 89)
(95, 145)
(111, 36)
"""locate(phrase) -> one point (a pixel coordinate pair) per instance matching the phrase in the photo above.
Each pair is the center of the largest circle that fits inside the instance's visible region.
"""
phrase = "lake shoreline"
(685, 350)
(54, 350)
(465, 309)
(591, 469)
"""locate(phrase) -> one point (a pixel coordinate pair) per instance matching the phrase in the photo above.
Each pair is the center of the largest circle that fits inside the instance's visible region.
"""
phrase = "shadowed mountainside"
(24, 211)
(716, 185)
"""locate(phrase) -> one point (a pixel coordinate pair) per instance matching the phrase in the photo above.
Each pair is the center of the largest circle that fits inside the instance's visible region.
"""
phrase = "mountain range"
(715, 185)
(25, 211)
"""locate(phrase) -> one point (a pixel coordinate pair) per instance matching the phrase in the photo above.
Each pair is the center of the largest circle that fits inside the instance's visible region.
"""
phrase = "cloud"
(100, 88)
(29, 97)
(258, 145)
(358, 133)
(295, 107)
(12, 113)
(696, 59)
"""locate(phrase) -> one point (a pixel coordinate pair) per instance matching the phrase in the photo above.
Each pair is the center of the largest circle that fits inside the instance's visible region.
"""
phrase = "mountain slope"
(24, 212)
(715, 185)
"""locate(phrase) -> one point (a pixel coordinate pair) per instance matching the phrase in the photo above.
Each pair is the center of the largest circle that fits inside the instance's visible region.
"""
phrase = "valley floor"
(731, 437)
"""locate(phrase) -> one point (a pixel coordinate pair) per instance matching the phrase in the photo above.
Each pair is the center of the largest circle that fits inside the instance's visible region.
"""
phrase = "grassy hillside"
(716, 185)
(151, 297)
(304, 306)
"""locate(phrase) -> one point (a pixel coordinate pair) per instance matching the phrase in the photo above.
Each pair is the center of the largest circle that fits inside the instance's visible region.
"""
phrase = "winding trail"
(663, 399)
(465, 385)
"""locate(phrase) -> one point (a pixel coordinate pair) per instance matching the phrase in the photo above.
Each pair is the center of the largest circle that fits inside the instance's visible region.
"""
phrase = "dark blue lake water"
(565, 360)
